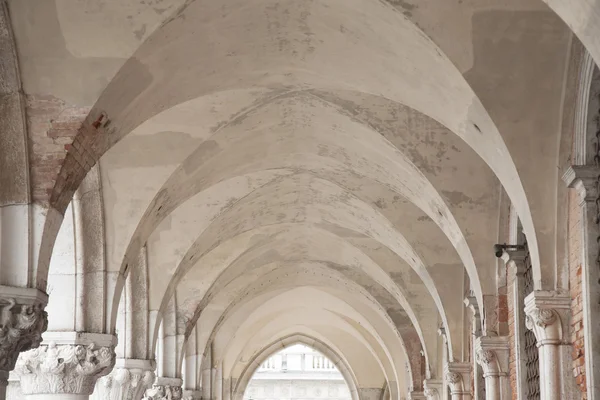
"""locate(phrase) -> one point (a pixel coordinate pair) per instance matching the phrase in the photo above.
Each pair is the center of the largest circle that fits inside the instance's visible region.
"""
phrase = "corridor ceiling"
(336, 169)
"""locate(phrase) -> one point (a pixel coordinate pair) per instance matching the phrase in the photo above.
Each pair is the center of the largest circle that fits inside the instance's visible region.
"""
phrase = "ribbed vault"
(279, 171)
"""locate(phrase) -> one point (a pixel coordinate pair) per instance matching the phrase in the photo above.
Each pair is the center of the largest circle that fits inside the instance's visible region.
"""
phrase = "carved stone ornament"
(192, 395)
(541, 318)
(431, 393)
(485, 357)
(453, 378)
(64, 368)
(130, 382)
(21, 328)
(163, 392)
(416, 396)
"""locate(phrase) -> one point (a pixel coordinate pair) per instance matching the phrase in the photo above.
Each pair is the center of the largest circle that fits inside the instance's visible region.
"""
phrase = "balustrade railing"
(314, 362)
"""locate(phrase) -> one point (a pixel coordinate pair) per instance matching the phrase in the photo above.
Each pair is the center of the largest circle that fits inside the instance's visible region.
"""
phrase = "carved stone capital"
(458, 377)
(583, 178)
(57, 367)
(165, 389)
(128, 380)
(433, 389)
(192, 395)
(22, 322)
(547, 315)
(416, 396)
(492, 353)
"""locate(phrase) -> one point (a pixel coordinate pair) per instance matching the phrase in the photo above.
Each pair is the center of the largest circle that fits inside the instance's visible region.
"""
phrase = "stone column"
(128, 380)
(478, 379)
(548, 315)
(22, 322)
(515, 260)
(492, 353)
(458, 378)
(433, 389)
(416, 396)
(66, 365)
(165, 389)
(583, 179)
(192, 395)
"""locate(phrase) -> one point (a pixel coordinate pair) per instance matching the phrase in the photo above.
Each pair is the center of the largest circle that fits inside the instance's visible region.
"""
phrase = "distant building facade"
(297, 373)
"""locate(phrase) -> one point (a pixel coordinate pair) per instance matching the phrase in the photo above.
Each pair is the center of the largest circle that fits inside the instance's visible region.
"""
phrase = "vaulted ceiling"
(336, 169)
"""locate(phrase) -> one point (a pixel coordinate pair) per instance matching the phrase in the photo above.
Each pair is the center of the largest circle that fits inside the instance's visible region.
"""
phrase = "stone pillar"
(492, 353)
(416, 396)
(433, 389)
(192, 395)
(478, 379)
(128, 380)
(165, 389)
(458, 378)
(548, 315)
(22, 322)
(66, 365)
(515, 260)
(583, 179)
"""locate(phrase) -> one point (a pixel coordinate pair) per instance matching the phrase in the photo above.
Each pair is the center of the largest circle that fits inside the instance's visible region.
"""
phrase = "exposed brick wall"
(575, 269)
(89, 144)
(52, 126)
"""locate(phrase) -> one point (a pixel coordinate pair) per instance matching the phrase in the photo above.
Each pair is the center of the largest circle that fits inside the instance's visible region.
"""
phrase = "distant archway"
(286, 342)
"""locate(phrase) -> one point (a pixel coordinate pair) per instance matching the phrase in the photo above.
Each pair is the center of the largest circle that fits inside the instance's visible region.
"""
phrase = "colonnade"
(70, 365)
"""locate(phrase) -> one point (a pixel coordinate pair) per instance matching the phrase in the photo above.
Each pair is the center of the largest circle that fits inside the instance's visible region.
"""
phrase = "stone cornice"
(416, 396)
(79, 338)
(583, 178)
(192, 395)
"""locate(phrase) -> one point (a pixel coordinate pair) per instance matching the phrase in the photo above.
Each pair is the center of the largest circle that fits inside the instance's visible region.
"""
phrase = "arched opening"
(297, 372)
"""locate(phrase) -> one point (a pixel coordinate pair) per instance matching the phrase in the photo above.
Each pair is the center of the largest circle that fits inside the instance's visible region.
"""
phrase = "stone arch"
(378, 323)
(119, 125)
(288, 341)
(158, 209)
(199, 249)
(246, 262)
